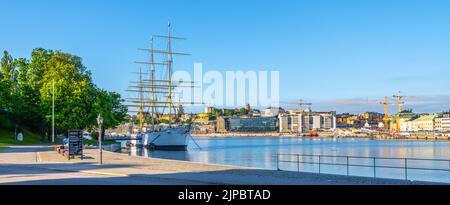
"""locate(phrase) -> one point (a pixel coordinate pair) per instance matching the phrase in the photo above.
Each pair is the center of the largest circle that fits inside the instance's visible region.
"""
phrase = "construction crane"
(400, 103)
(300, 104)
(385, 104)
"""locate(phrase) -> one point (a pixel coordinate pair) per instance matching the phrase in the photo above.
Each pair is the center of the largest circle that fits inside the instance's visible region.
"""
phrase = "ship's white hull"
(175, 138)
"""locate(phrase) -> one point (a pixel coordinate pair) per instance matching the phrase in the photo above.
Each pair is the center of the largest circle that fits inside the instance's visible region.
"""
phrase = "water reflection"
(261, 152)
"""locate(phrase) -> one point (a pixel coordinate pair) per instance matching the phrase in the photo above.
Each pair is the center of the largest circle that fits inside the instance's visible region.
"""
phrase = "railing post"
(298, 162)
(374, 168)
(319, 164)
(406, 169)
(278, 161)
(347, 165)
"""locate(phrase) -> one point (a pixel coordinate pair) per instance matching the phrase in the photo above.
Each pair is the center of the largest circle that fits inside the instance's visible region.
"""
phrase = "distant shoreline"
(255, 134)
(321, 136)
(218, 135)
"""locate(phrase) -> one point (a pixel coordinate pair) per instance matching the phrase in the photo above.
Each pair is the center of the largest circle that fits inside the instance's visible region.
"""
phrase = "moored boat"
(156, 95)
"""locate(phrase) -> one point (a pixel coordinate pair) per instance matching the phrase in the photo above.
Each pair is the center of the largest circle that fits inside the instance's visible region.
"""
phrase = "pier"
(109, 137)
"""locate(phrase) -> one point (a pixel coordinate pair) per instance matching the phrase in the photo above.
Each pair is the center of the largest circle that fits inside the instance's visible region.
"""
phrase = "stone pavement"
(41, 165)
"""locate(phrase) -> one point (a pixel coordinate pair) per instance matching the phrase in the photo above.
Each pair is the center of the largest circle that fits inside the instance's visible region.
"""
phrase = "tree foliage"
(27, 86)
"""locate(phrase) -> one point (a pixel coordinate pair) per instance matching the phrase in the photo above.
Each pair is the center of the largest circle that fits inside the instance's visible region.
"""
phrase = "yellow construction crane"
(300, 103)
(385, 104)
(400, 103)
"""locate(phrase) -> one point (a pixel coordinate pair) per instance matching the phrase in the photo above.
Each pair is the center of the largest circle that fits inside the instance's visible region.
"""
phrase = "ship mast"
(157, 86)
(141, 106)
(152, 81)
(169, 63)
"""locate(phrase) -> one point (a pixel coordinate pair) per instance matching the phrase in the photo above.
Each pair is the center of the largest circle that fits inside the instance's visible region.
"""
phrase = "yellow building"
(423, 123)
(201, 118)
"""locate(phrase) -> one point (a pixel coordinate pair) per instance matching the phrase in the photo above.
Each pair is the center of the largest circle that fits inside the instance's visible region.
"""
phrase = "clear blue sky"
(324, 50)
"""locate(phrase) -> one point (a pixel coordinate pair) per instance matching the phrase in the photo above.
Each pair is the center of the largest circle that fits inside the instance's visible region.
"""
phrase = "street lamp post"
(100, 122)
(53, 111)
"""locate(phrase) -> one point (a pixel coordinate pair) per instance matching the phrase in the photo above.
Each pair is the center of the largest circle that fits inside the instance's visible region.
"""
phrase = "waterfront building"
(202, 118)
(324, 120)
(423, 123)
(272, 111)
(254, 113)
(346, 120)
(209, 110)
(372, 117)
(445, 124)
(316, 122)
(222, 125)
(205, 128)
(404, 119)
(305, 122)
(247, 107)
(284, 121)
(405, 124)
(253, 124)
(342, 120)
(438, 124)
(121, 129)
(297, 123)
(442, 122)
(179, 110)
(185, 117)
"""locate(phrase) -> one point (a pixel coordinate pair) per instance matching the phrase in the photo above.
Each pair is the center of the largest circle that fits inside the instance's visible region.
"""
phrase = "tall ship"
(157, 110)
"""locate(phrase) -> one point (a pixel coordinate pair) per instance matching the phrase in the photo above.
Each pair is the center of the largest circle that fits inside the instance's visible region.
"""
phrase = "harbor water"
(261, 152)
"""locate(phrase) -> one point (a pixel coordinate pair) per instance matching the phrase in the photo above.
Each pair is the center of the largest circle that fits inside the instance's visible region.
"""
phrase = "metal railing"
(320, 160)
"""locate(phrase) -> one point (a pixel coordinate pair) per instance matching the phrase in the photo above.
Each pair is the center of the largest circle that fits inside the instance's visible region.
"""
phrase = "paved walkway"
(41, 165)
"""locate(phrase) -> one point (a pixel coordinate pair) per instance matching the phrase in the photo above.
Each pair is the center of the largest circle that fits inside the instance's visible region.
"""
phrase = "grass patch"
(7, 138)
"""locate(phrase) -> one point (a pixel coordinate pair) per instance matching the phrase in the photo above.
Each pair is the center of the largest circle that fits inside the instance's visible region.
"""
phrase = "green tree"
(8, 92)
(73, 91)
(9, 73)
(109, 105)
(28, 102)
(26, 91)
(243, 111)
(7, 81)
(228, 112)
(3, 94)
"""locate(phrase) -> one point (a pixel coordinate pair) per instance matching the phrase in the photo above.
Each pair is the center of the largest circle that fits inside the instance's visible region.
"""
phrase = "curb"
(105, 173)
(124, 175)
(86, 172)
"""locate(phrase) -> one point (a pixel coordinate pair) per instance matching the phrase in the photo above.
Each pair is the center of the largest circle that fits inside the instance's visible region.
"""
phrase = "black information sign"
(75, 143)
